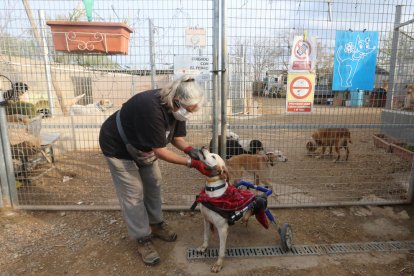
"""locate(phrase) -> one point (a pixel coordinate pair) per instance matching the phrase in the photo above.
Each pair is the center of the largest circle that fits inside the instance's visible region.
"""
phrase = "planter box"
(402, 152)
(90, 37)
(392, 145)
(382, 141)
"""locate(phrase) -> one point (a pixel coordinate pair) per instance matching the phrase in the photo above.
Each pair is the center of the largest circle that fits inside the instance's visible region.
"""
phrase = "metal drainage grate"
(302, 250)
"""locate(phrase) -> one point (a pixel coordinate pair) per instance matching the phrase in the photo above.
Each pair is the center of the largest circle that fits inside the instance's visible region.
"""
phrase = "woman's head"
(182, 92)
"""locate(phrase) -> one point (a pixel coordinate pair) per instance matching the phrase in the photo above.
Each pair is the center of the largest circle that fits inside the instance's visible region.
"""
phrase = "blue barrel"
(357, 98)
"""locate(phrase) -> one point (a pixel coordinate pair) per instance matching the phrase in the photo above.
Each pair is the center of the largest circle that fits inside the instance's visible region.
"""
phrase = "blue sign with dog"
(355, 60)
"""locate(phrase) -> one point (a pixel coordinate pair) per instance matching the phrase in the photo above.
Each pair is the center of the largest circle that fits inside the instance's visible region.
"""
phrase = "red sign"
(300, 87)
(299, 106)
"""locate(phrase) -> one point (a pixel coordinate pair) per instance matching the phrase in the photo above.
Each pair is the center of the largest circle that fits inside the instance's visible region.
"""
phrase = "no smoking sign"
(300, 87)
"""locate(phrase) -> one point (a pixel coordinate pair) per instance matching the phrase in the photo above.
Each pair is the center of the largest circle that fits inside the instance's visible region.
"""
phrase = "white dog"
(215, 187)
(90, 109)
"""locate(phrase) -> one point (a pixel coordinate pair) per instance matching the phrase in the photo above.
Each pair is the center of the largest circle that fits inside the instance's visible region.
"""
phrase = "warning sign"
(191, 65)
(300, 93)
(303, 56)
(195, 37)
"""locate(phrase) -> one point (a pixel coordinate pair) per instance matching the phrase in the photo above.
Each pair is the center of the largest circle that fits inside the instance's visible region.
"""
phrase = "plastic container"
(357, 98)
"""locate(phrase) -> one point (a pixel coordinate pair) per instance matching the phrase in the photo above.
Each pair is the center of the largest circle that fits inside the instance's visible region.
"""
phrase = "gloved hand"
(192, 152)
(203, 168)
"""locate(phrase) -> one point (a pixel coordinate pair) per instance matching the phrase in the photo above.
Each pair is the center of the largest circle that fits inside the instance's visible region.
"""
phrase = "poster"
(355, 60)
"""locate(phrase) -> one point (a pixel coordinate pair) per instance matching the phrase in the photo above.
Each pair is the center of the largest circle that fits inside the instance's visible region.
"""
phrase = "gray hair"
(185, 90)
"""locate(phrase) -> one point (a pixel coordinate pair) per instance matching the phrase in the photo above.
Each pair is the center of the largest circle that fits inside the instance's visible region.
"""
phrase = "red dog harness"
(231, 201)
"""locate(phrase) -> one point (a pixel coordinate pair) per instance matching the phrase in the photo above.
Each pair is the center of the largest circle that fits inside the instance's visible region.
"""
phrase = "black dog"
(18, 89)
(233, 147)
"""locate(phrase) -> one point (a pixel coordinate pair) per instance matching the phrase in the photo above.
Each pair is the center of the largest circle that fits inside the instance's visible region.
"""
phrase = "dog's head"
(104, 104)
(214, 160)
(256, 146)
(311, 146)
(275, 156)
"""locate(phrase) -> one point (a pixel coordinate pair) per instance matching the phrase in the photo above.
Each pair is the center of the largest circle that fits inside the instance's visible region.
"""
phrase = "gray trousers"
(139, 194)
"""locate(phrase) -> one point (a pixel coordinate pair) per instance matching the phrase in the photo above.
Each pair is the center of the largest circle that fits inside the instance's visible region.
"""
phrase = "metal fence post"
(224, 78)
(7, 179)
(215, 98)
(393, 59)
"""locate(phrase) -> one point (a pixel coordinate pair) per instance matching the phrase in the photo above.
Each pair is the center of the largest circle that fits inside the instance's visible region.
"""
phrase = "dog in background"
(409, 98)
(257, 164)
(237, 147)
(330, 137)
(88, 109)
(17, 91)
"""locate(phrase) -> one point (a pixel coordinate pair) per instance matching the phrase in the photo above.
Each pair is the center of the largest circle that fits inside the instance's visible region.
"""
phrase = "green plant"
(410, 147)
(23, 108)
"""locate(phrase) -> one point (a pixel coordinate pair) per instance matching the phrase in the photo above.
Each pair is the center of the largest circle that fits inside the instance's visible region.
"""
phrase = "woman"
(132, 140)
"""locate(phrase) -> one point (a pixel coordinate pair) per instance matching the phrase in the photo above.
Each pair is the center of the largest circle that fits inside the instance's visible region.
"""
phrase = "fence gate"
(53, 132)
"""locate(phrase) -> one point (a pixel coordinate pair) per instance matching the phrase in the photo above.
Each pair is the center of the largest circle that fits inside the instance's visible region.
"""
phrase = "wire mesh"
(59, 164)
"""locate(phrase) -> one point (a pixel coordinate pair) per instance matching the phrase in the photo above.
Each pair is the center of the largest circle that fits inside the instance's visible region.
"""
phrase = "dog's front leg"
(207, 233)
(222, 231)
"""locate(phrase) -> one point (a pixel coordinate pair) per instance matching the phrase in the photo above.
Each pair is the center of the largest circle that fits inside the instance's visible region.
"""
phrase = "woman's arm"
(180, 143)
(171, 157)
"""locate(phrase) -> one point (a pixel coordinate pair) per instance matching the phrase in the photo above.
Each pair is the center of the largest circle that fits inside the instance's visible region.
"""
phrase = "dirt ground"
(96, 243)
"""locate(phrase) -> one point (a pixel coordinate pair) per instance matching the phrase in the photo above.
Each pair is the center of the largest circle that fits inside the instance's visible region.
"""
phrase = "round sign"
(300, 87)
(302, 49)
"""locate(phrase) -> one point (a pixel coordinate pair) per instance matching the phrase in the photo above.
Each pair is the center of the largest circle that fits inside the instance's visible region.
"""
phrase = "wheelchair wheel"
(286, 237)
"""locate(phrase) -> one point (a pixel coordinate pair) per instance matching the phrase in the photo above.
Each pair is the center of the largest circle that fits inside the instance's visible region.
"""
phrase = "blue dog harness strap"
(212, 189)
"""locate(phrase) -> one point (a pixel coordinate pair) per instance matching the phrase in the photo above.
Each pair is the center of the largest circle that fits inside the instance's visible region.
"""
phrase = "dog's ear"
(310, 146)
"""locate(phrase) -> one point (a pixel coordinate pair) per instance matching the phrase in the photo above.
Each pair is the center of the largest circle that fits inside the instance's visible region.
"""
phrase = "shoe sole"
(154, 262)
(173, 238)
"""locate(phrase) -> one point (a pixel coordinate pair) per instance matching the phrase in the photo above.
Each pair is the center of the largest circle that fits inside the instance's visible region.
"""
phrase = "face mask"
(182, 114)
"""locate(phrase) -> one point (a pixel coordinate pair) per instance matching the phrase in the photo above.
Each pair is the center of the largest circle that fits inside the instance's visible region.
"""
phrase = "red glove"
(192, 152)
(203, 168)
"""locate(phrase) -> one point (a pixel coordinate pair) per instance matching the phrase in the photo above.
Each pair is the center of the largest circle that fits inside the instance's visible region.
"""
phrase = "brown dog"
(329, 137)
(258, 164)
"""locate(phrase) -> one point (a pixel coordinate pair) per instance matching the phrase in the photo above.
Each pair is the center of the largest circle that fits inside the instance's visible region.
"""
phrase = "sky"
(247, 20)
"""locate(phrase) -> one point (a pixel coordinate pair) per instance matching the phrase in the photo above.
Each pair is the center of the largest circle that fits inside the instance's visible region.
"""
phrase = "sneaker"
(148, 253)
(162, 230)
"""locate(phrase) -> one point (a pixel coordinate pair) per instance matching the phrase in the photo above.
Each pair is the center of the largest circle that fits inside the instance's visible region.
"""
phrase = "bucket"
(357, 98)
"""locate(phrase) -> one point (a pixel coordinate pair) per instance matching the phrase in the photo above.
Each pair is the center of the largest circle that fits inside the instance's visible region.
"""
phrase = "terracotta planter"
(90, 37)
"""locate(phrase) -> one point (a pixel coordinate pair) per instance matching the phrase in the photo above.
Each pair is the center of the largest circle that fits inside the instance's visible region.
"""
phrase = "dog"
(330, 137)
(409, 98)
(17, 91)
(212, 218)
(90, 109)
(237, 147)
(258, 164)
(220, 203)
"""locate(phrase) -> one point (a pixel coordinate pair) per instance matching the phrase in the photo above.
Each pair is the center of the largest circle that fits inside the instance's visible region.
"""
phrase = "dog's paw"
(201, 249)
(216, 267)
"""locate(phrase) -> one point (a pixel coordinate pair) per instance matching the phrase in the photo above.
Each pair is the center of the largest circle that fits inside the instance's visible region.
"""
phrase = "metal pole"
(215, 96)
(152, 54)
(8, 181)
(393, 61)
(224, 78)
(47, 62)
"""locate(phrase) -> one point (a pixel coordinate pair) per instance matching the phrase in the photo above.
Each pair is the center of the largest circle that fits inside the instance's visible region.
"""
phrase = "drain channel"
(303, 250)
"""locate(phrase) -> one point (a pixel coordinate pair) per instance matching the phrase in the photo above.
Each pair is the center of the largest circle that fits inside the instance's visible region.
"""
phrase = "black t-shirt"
(146, 122)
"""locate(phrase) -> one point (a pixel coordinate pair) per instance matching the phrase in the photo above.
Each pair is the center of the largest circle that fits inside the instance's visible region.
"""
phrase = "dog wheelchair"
(260, 202)
(257, 205)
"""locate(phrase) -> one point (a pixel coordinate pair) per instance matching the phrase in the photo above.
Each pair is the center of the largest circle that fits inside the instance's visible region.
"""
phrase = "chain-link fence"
(51, 151)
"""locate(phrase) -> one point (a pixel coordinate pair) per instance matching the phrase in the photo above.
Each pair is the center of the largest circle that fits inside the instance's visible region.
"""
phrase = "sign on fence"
(355, 60)
(303, 55)
(192, 65)
(299, 98)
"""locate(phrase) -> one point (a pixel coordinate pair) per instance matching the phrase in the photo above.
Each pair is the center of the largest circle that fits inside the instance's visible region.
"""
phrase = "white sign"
(303, 55)
(191, 65)
(195, 37)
